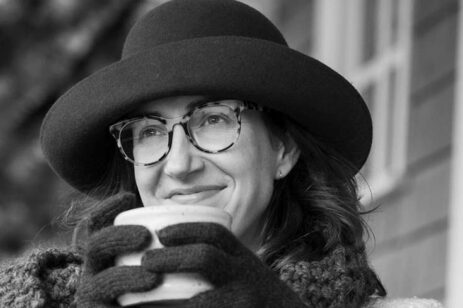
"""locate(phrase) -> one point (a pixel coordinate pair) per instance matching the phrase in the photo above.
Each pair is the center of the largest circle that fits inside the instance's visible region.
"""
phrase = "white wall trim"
(454, 278)
(329, 42)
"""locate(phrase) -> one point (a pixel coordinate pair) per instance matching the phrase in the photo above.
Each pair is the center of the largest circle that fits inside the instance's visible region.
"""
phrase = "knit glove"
(102, 282)
(239, 277)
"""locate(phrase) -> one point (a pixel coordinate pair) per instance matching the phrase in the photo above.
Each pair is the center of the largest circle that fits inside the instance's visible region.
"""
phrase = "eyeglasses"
(212, 127)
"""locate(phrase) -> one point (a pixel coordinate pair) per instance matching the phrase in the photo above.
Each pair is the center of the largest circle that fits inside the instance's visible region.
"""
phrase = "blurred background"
(403, 56)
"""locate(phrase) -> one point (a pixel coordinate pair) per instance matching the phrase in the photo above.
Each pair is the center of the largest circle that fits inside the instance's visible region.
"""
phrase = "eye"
(214, 119)
(150, 131)
(217, 120)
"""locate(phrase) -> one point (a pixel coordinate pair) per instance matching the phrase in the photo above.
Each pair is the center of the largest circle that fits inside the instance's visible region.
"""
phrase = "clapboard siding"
(430, 124)
(428, 13)
(405, 272)
(422, 202)
(433, 53)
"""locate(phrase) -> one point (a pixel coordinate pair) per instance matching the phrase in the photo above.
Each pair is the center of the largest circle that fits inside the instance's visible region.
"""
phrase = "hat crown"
(188, 19)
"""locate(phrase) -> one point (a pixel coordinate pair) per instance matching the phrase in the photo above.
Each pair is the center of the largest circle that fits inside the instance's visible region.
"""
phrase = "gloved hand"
(102, 282)
(240, 278)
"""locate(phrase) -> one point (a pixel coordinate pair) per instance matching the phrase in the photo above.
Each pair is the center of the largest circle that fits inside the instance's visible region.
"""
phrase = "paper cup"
(175, 286)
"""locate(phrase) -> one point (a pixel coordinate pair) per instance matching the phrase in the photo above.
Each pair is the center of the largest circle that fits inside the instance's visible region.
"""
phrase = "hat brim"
(75, 136)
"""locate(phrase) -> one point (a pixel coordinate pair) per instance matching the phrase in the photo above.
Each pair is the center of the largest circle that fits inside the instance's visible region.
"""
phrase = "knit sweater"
(49, 278)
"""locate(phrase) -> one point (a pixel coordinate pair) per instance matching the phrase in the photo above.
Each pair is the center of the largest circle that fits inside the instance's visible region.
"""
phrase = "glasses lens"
(214, 128)
(144, 140)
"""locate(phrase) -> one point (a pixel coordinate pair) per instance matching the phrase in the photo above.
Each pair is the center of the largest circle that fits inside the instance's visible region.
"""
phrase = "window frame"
(339, 44)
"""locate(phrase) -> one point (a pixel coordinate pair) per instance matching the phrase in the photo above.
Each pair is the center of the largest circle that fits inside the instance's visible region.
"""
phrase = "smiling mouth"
(194, 195)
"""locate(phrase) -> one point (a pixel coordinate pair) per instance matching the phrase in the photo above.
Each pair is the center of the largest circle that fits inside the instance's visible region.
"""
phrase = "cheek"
(253, 175)
(254, 193)
(144, 179)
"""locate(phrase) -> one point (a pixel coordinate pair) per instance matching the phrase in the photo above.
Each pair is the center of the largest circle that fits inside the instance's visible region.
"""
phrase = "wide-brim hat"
(221, 48)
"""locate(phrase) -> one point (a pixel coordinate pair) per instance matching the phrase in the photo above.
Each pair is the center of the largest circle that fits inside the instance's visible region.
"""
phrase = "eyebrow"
(191, 105)
(199, 102)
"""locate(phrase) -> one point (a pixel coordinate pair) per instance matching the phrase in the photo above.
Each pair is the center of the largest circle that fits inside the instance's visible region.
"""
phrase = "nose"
(181, 160)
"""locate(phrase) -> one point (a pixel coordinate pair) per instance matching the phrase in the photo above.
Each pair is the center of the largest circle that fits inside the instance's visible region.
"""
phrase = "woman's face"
(238, 180)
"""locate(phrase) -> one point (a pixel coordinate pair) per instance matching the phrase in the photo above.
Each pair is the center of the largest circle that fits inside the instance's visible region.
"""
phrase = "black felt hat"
(202, 47)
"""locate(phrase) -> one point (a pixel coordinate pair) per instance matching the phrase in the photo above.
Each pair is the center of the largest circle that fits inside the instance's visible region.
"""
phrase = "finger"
(112, 241)
(104, 215)
(200, 232)
(107, 285)
(233, 295)
(209, 261)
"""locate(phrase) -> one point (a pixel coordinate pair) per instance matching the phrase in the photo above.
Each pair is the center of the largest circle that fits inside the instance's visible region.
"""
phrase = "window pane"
(394, 22)
(392, 105)
(370, 26)
(296, 20)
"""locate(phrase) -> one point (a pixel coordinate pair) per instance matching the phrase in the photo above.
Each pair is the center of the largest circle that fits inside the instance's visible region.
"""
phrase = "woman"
(209, 105)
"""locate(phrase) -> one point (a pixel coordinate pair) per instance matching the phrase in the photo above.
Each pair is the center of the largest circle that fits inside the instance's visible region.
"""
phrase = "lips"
(193, 190)
(193, 194)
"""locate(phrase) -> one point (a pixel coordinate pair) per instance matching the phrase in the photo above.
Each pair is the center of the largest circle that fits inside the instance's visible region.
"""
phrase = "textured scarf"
(49, 278)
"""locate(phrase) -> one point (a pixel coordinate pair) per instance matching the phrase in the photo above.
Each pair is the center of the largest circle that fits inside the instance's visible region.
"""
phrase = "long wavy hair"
(314, 222)
(316, 206)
